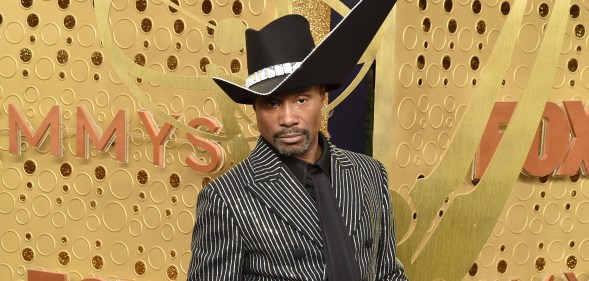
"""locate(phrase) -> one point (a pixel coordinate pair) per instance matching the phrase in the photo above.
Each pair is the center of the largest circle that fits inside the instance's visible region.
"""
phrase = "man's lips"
(291, 138)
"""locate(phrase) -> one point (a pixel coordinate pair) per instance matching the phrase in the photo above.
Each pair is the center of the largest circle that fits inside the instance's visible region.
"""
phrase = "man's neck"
(312, 154)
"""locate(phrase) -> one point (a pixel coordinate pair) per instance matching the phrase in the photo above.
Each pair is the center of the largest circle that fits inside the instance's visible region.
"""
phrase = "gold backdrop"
(441, 79)
(437, 79)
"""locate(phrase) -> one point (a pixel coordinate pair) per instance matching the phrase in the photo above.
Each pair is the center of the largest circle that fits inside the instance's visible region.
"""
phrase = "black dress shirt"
(300, 168)
(316, 178)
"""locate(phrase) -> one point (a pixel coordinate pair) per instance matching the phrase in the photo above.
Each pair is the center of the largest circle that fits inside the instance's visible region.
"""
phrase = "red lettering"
(578, 153)
(39, 275)
(17, 123)
(86, 129)
(158, 138)
(213, 148)
(500, 116)
(549, 146)
(570, 276)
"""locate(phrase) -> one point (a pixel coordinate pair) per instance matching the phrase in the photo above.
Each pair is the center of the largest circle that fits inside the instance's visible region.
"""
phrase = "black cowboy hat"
(282, 57)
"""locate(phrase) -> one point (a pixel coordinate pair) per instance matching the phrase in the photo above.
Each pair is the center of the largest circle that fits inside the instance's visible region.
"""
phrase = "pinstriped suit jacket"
(256, 221)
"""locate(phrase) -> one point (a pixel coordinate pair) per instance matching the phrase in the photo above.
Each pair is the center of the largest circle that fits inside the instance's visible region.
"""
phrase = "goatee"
(291, 151)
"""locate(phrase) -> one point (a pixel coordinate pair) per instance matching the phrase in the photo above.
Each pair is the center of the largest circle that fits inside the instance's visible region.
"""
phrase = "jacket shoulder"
(236, 177)
(359, 159)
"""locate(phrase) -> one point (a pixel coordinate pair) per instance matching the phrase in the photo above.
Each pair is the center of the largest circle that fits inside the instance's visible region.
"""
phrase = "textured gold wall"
(99, 217)
(430, 68)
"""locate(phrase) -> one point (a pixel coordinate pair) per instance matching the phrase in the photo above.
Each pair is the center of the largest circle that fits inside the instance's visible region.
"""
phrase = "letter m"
(86, 129)
(17, 124)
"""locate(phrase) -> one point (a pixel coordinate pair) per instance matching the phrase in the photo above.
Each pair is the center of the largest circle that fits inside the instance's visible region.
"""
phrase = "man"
(298, 208)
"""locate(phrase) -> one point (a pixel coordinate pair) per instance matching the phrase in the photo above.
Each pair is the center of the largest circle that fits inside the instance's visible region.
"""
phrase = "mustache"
(291, 130)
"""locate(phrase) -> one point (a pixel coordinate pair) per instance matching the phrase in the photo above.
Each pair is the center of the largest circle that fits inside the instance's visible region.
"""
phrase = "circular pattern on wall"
(446, 50)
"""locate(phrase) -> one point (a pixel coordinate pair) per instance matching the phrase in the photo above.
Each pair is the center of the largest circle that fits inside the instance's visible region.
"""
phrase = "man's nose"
(288, 116)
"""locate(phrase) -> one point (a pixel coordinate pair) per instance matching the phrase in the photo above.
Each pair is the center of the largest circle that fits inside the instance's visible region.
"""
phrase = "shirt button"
(298, 253)
(368, 243)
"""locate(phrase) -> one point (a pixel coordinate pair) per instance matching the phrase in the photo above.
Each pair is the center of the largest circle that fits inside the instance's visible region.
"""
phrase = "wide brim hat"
(282, 57)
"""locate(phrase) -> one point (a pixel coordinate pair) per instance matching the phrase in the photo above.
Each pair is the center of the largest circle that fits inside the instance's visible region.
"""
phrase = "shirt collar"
(324, 161)
(299, 167)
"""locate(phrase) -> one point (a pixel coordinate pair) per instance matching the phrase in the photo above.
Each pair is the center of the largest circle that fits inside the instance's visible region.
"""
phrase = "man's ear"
(323, 91)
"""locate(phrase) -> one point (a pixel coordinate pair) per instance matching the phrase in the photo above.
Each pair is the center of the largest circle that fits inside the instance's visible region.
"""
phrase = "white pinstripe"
(250, 220)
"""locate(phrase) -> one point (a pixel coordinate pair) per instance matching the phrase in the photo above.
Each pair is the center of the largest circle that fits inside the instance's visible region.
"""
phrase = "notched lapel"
(348, 184)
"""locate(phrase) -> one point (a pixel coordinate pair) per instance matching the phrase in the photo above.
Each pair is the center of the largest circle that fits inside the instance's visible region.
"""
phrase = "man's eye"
(272, 103)
(301, 100)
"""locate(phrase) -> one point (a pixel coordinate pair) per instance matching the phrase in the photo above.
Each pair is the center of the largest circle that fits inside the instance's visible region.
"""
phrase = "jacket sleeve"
(216, 243)
(388, 266)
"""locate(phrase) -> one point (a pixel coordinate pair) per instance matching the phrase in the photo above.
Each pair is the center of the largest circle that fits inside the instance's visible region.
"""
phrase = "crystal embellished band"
(271, 72)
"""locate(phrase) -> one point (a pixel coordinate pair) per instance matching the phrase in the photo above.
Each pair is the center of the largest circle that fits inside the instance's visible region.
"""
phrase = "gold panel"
(98, 216)
(436, 70)
(441, 66)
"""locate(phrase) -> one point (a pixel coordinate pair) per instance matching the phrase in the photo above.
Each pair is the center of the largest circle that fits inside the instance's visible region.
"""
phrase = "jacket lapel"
(347, 182)
(281, 192)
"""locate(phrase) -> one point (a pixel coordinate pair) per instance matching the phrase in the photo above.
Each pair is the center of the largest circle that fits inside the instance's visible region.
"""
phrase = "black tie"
(337, 248)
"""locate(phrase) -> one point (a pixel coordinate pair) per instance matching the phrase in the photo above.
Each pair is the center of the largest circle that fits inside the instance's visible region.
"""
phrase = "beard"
(291, 150)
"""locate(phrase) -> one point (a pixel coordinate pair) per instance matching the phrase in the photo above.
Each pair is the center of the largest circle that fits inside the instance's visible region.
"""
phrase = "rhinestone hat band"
(271, 72)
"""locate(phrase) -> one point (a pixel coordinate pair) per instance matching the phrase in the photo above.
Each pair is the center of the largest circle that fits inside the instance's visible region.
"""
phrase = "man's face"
(291, 121)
